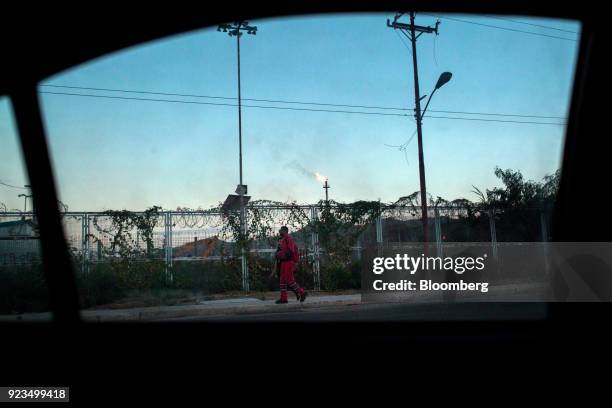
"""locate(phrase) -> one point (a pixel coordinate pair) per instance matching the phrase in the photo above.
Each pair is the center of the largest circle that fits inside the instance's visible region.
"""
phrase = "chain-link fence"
(202, 248)
(19, 239)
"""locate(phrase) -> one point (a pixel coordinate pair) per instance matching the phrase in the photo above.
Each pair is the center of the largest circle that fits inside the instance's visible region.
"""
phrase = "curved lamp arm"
(427, 104)
(444, 78)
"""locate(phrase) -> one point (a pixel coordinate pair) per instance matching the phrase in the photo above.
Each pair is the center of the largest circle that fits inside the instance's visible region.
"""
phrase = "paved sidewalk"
(245, 306)
(237, 306)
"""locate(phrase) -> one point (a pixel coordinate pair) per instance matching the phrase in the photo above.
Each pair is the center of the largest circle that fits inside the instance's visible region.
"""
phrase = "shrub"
(207, 277)
(23, 289)
(356, 267)
(102, 285)
(260, 269)
(303, 275)
(335, 275)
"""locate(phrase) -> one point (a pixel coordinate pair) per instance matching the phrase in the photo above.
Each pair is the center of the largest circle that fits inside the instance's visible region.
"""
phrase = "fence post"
(314, 236)
(168, 246)
(493, 232)
(379, 235)
(438, 232)
(243, 257)
(85, 244)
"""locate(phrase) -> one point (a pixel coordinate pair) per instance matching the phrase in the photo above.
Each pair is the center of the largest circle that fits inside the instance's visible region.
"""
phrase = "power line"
(225, 97)
(404, 146)
(531, 24)
(290, 102)
(284, 108)
(496, 120)
(402, 40)
(502, 28)
(223, 104)
(9, 185)
(497, 114)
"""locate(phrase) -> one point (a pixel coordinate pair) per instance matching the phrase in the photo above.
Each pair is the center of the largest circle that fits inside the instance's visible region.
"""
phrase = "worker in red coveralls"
(287, 255)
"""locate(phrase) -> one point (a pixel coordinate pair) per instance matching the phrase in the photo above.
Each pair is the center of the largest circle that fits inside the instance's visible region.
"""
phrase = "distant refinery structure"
(325, 182)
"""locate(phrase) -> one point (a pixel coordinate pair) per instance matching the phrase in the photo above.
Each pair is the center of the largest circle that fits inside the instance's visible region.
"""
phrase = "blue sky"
(115, 154)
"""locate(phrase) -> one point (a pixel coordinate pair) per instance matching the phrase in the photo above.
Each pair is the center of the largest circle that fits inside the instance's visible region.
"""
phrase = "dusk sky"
(132, 154)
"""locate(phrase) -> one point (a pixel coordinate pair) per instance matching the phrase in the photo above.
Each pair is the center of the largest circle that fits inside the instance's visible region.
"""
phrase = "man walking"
(287, 256)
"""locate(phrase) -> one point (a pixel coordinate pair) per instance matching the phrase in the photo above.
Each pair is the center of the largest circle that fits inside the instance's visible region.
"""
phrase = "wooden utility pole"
(410, 31)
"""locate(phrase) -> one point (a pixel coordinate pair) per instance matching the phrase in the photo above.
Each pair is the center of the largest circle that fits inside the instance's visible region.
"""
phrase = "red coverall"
(286, 248)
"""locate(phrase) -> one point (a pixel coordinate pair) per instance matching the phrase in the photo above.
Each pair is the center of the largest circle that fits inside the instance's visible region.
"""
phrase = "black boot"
(279, 302)
(303, 297)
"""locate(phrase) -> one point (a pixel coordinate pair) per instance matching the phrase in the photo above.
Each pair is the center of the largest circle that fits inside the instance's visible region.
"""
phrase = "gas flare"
(308, 173)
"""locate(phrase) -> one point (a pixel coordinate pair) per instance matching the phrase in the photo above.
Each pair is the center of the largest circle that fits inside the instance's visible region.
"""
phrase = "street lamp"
(235, 30)
(444, 78)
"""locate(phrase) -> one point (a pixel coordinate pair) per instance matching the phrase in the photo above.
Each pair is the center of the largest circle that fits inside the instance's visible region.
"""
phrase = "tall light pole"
(235, 30)
(410, 31)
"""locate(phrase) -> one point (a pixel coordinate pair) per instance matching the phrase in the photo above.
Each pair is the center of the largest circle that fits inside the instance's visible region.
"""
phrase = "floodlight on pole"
(235, 30)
